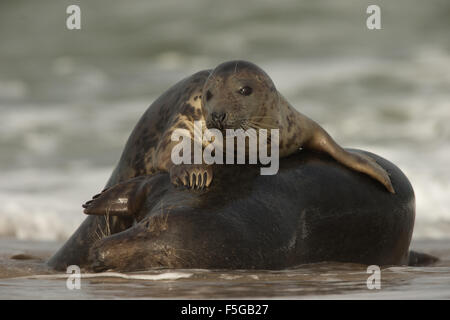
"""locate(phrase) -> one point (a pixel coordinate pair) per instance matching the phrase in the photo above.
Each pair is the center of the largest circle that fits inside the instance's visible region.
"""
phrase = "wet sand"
(24, 278)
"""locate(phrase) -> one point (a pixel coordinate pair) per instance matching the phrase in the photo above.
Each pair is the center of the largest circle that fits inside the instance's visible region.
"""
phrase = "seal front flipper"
(320, 140)
(195, 176)
(123, 199)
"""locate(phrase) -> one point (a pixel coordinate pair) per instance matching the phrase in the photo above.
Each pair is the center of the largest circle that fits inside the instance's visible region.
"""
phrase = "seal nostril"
(208, 95)
(218, 116)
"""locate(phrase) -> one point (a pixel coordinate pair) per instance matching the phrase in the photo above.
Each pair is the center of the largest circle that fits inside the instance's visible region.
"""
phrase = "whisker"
(262, 117)
(263, 125)
(269, 136)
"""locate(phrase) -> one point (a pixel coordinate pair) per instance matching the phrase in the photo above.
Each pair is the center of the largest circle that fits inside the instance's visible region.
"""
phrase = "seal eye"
(208, 95)
(245, 91)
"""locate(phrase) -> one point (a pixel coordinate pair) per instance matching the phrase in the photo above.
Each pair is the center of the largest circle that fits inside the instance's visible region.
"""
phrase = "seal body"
(313, 210)
(235, 95)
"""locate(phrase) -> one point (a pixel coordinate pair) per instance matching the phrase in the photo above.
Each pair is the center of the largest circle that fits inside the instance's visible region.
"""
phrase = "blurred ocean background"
(69, 99)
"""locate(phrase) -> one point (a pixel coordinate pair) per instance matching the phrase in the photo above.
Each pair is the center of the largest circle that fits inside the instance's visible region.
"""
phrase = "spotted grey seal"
(236, 94)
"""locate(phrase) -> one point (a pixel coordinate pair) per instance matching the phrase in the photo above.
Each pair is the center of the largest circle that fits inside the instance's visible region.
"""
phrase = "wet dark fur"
(314, 209)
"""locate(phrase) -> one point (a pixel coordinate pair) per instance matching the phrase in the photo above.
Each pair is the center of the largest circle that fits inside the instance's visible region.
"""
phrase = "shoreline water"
(31, 279)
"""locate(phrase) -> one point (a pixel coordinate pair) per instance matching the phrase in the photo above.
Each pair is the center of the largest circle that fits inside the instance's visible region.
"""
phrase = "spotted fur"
(196, 98)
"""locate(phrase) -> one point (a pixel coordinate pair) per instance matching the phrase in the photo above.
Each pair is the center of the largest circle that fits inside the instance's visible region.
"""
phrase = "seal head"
(238, 94)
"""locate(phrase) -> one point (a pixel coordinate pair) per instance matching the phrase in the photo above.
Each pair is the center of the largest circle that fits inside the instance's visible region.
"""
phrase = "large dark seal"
(315, 209)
